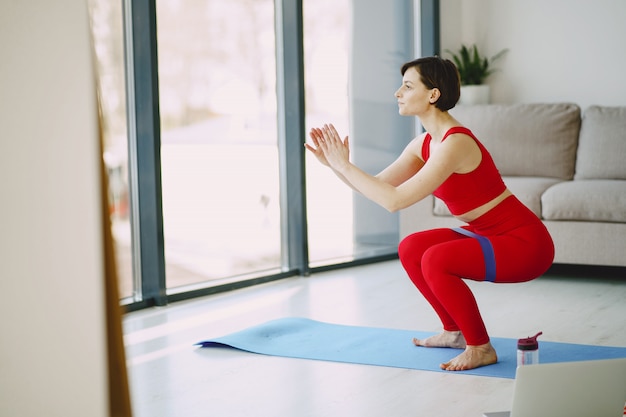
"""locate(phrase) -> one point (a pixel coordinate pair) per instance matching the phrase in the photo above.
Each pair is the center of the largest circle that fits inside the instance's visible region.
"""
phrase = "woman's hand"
(316, 137)
(329, 149)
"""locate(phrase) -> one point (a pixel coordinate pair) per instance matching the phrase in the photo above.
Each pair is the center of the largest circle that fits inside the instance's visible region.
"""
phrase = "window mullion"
(144, 141)
(290, 96)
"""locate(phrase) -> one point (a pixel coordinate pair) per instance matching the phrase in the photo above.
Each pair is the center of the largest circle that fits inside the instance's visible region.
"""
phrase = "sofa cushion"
(537, 140)
(527, 189)
(602, 147)
(586, 200)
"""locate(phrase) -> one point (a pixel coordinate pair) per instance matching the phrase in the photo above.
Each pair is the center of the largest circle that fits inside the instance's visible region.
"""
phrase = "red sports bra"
(465, 192)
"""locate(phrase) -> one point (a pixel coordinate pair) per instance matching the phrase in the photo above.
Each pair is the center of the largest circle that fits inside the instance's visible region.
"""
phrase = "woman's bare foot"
(472, 357)
(445, 339)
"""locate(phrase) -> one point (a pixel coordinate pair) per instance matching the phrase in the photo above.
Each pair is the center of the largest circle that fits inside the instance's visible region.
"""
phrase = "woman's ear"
(434, 95)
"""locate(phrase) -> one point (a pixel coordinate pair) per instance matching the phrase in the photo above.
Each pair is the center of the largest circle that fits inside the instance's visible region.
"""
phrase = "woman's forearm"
(383, 194)
(344, 179)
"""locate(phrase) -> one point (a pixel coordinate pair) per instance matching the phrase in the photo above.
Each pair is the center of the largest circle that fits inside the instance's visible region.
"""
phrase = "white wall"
(52, 348)
(560, 50)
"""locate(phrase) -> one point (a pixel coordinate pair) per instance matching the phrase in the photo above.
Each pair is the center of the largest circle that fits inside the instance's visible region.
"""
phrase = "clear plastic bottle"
(528, 350)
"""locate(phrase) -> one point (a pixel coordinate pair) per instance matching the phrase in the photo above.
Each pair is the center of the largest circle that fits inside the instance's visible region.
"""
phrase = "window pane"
(342, 226)
(108, 35)
(329, 201)
(218, 133)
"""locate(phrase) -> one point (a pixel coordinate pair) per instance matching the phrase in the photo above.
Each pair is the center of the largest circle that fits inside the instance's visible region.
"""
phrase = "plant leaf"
(473, 68)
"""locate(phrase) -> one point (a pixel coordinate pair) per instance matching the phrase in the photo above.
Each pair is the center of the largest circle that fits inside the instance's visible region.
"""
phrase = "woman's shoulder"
(418, 140)
(459, 130)
(416, 144)
(460, 136)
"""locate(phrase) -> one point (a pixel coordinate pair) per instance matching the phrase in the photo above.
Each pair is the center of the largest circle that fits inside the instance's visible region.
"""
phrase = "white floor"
(170, 377)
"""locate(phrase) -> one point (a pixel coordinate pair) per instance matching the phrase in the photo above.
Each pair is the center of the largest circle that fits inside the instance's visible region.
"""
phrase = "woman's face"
(413, 96)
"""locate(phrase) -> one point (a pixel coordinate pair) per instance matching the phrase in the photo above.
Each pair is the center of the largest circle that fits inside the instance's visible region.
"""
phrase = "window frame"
(144, 141)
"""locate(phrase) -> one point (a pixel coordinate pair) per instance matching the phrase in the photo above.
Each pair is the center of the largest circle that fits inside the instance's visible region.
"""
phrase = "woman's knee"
(415, 245)
(436, 261)
(408, 247)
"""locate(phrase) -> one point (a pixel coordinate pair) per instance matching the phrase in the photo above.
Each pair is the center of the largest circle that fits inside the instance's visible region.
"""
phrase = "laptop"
(569, 389)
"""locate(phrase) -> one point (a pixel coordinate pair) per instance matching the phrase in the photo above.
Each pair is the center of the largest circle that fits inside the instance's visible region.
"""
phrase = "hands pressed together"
(328, 147)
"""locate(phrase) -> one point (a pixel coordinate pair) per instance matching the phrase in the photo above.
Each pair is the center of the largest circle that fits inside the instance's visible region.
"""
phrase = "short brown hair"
(438, 73)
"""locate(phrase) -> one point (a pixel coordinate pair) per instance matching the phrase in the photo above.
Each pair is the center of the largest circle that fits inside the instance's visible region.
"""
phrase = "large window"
(327, 25)
(219, 154)
(352, 53)
(199, 172)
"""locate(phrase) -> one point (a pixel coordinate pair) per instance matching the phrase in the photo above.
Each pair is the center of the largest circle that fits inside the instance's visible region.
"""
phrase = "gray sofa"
(569, 170)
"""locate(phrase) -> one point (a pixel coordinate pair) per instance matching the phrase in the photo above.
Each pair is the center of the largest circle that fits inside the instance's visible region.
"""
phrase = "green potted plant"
(474, 70)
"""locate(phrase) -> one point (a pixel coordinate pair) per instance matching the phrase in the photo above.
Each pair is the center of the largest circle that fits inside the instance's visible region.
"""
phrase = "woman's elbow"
(395, 206)
(398, 204)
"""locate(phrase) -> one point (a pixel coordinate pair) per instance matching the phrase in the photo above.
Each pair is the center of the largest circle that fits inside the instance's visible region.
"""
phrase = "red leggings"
(438, 260)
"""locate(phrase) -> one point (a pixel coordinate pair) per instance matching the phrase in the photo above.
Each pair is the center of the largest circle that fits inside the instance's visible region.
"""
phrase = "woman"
(502, 241)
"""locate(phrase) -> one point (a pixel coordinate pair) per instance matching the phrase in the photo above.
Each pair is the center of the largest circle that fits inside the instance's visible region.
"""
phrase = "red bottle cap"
(529, 343)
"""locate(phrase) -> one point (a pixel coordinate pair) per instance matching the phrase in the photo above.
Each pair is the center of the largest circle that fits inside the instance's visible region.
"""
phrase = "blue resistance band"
(488, 254)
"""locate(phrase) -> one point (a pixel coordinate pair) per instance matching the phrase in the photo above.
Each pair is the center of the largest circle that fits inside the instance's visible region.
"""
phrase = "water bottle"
(528, 350)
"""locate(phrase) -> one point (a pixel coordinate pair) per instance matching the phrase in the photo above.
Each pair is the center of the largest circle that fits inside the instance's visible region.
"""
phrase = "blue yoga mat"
(309, 339)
